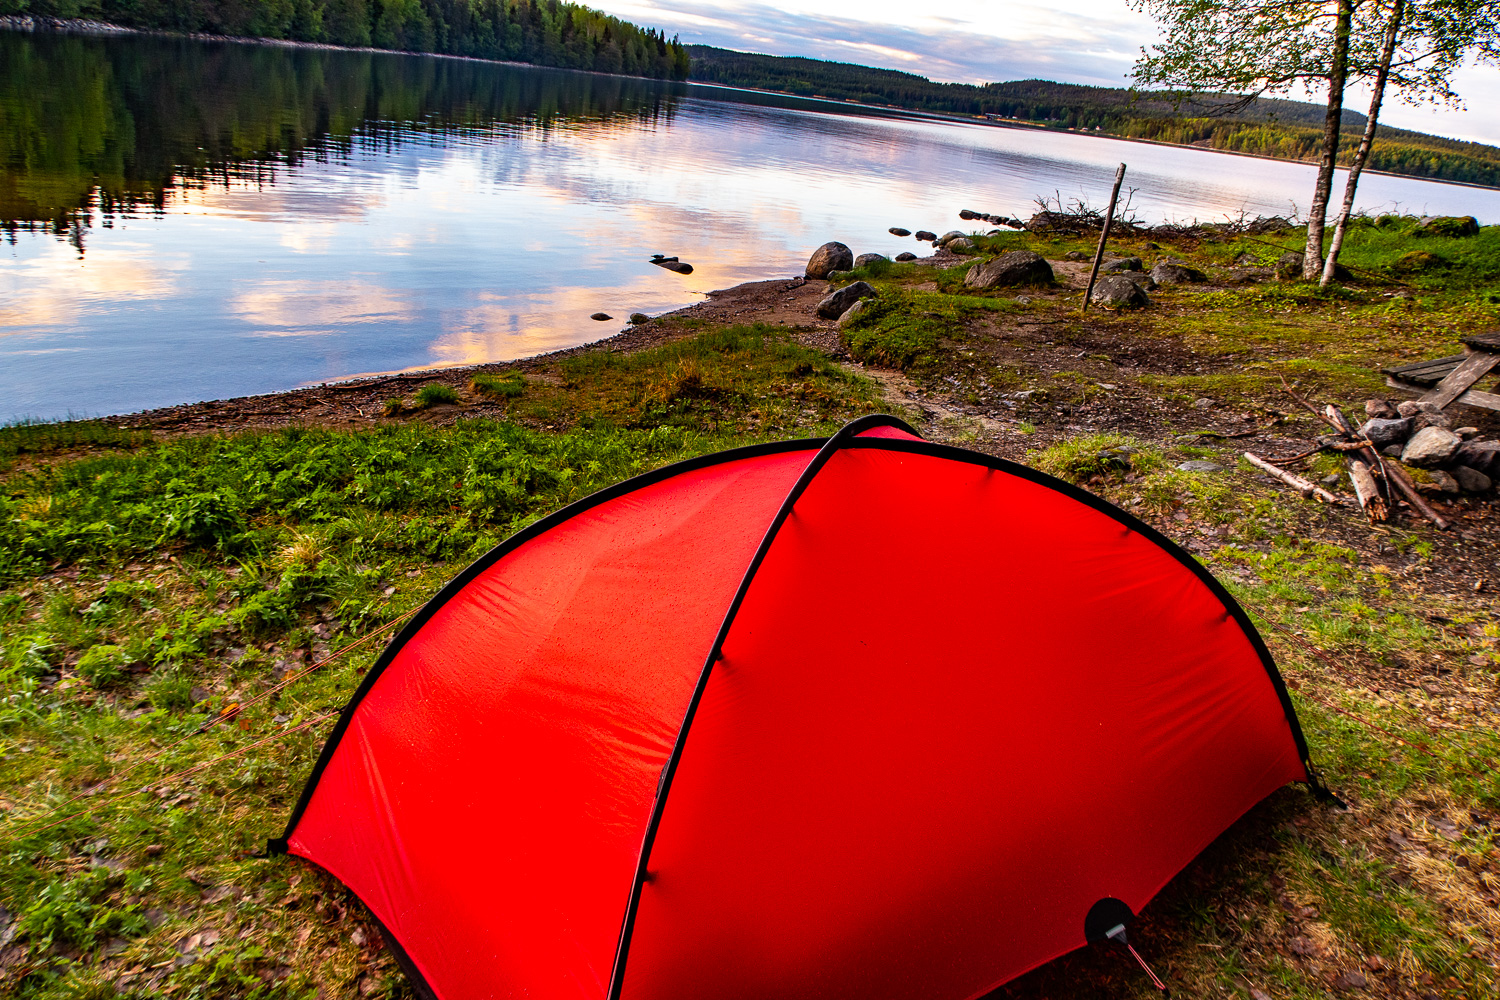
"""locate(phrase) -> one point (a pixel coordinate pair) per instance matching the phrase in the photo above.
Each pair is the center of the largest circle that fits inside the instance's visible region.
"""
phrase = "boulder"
(1448, 225)
(923, 234)
(1019, 267)
(966, 215)
(1141, 278)
(852, 313)
(1122, 264)
(898, 231)
(829, 257)
(1430, 446)
(836, 303)
(1383, 431)
(950, 236)
(869, 258)
(1472, 480)
(905, 256)
(1481, 455)
(1175, 272)
(1268, 224)
(1380, 409)
(1116, 291)
(961, 243)
(1250, 275)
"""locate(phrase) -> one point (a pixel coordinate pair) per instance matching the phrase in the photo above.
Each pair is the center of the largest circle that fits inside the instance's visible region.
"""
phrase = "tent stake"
(1109, 218)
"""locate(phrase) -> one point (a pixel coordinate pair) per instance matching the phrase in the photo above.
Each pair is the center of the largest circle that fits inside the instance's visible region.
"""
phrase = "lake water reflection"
(188, 220)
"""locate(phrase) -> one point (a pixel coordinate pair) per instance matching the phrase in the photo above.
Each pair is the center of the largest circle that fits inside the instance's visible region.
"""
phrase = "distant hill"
(1268, 127)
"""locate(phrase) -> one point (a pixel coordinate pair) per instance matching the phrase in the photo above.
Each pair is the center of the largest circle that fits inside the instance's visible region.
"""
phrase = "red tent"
(870, 717)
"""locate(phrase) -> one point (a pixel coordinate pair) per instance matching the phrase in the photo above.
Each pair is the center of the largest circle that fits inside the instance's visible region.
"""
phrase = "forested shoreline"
(1270, 127)
(542, 32)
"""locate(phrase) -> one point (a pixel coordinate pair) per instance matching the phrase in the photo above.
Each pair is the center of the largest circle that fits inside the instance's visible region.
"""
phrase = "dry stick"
(183, 773)
(1395, 475)
(1109, 218)
(1296, 482)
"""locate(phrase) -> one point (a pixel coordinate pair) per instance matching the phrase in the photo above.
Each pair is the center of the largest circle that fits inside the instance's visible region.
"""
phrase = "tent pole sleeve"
(845, 435)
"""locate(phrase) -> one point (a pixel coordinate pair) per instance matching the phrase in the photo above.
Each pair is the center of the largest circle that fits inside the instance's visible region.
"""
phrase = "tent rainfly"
(866, 717)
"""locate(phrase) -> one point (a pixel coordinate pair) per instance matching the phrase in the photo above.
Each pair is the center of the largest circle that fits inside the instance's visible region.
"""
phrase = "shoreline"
(85, 26)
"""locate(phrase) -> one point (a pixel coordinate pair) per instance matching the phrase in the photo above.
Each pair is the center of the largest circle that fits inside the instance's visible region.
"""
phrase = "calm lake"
(187, 220)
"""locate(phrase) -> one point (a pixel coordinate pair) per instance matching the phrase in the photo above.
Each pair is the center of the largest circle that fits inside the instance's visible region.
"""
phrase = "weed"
(498, 387)
(434, 394)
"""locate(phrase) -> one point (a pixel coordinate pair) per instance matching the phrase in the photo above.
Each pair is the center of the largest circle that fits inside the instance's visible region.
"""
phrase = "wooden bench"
(1448, 380)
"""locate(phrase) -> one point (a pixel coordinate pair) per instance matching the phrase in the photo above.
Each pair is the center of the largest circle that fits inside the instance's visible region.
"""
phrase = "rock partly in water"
(961, 243)
(671, 264)
(1175, 272)
(869, 258)
(898, 231)
(601, 317)
(1115, 291)
(1430, 446)
(1383, 431)
(1019, 267)
(949, 236)
(1448, 225)
(1121, 264)
(1472, 480)
(905, 256)
(927, 235)
(639, 318)
(832, 256)
(834, 304)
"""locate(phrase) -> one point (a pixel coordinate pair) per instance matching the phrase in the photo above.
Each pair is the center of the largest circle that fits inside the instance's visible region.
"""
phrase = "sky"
(979, 41)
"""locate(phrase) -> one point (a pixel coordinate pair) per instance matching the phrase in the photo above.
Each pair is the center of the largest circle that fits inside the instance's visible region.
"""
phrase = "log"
(1296, 482)
(1395, 475)
(1367, 491)
(1336, 418)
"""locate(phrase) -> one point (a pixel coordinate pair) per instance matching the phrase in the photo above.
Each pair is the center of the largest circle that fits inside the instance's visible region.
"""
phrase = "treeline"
(544, 32)
(1395, 151)
(115, 124)
(1269, 127)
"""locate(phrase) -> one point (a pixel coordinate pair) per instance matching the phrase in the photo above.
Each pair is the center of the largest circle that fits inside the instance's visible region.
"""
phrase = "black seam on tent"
(484, 562)
(843, 438)
(1151, 534)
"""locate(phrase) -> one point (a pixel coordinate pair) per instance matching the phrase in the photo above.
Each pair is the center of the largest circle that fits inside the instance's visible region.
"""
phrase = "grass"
(498, 387)
(435, 394)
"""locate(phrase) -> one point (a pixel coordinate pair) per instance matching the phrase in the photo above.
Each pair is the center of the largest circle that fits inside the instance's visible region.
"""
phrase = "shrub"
(434, 394)
(497, 386)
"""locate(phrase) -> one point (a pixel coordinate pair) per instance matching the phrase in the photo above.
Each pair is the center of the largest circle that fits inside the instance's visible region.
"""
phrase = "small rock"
(1392, 450)
(959, 243)
(1332, 479)
(1466, 432)
(923, 234)
(1379, 409)
(1472, 480)
(851, 314)
(1303, 945)
(601, 316)
(898, 231)
(1430, 446)
(1481, 455)
(1023, 300)
(1199, 465)
(1203, 404)
(1427, 418)
(832, 256)
(905, 256)
(1175, 272)
(1353, 980)
(1383, 431)
(639, 318)
(1412, 407)
(154, 850)
(1444, 482)
(1075, 255)
(1115, 291)
(1374, 963)
(1122, 264)
(836, 303)
(1256, 994)
(1019, 267)
(949, 236)
(869, 258)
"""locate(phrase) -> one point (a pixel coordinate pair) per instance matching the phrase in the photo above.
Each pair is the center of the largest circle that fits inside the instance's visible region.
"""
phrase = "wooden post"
(1109, 218)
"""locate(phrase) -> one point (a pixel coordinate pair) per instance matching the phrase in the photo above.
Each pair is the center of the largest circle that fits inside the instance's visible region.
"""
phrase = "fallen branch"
(1366, 490)
(1296, 482)
(1395, 475)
